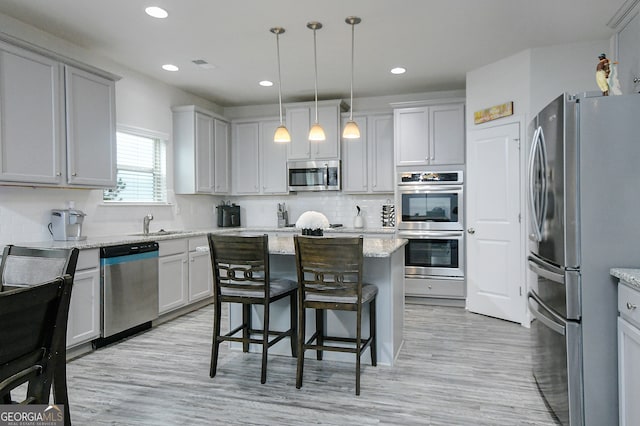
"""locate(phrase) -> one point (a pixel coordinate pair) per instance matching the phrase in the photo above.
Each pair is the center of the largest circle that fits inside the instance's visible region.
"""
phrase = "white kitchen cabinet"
(246, 152)
(201, 151)
(259, 163)
(200, 275)
(301, 116)
(184, 269)
(429, 135)
(628, 69)
(628, 355)
(91, 129)
(173, 274)
(83, 324)
(69, 123)
(367, 165)
(221, 157)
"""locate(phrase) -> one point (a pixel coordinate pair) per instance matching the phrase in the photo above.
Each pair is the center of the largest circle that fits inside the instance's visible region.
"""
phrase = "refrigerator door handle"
(556, 323)
(532, 204)
(538, 151)
(546, 273)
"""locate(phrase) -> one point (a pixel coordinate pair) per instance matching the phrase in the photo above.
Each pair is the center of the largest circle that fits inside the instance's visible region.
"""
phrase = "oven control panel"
(430, 177)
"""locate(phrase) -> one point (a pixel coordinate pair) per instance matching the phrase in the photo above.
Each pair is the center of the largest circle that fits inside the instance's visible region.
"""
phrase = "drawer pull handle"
(631, 306)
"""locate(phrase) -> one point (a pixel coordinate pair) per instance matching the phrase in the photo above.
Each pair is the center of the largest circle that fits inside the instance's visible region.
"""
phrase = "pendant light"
(316, 133)
(351, 130)
(281, 134)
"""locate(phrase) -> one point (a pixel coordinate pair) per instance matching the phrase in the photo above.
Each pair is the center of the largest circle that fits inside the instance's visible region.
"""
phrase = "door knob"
(471, 230)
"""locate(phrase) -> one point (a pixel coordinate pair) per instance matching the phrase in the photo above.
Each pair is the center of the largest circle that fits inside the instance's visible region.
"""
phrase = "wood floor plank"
(456, 368)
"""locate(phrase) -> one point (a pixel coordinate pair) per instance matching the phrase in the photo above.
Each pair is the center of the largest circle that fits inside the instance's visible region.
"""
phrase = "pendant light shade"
(316, 133)
(282, 133)
(351, 130)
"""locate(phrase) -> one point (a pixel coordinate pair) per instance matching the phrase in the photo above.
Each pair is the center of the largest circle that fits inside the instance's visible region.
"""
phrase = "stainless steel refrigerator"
(584, 200)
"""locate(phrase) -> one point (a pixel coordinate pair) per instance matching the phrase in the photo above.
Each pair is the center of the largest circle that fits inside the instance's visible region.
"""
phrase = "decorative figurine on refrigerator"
(602, 74)
(603, 69)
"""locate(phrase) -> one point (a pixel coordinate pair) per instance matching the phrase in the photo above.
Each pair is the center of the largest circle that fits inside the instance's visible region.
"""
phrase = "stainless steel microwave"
(314, 175)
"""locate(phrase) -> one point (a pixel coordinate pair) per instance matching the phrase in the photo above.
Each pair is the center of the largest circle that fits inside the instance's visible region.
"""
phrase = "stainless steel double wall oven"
(431, 218)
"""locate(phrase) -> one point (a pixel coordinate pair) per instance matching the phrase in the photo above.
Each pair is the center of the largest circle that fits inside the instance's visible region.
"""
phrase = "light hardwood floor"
(456, 368)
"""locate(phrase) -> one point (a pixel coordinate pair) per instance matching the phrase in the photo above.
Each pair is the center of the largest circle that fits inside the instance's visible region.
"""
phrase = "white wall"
(567, 68)
(140, 102)
(502, 81)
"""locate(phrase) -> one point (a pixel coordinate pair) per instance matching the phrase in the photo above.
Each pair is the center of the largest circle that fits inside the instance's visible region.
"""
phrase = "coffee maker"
(228, 215)
(66, 224)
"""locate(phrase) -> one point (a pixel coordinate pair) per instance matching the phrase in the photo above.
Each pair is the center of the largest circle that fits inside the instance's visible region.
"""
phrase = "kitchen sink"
(157, 233)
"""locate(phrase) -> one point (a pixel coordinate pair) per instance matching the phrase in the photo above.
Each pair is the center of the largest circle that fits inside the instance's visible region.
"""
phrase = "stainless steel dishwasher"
(129, 284)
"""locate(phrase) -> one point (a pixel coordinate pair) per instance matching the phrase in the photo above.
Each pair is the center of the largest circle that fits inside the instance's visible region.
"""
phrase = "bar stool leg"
(246, 322)
(319, 331)
(301, 344)
(293, 310)
(372, 332)
(216, 341)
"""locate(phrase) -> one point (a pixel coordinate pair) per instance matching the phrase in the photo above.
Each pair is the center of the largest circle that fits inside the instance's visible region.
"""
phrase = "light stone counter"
(629, 276)
(373, 247)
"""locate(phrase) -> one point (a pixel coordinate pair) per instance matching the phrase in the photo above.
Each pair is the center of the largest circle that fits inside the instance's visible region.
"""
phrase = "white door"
(495, 284)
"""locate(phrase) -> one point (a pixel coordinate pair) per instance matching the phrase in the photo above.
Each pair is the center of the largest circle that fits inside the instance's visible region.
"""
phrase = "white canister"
(358, 222)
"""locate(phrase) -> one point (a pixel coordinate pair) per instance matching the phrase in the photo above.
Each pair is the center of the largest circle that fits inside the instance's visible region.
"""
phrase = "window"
(142, 170)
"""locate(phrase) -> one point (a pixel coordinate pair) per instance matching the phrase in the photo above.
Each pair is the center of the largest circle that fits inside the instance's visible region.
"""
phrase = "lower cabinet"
(628, 355)
(184, 269)
(173, 275)
(200, 275)
(83, 324)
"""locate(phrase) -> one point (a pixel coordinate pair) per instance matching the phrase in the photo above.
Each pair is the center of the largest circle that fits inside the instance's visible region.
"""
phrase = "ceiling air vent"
(203, 64)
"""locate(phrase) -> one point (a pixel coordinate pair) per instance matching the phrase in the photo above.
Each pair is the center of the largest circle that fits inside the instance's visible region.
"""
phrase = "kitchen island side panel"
(387, 273)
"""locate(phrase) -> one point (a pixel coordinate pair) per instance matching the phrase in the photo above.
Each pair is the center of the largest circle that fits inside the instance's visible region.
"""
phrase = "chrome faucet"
(145, 223)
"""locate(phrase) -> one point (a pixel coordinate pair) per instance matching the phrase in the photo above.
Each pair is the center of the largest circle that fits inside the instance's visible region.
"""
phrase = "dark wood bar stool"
(241, 274)
(28, 266)
(330, 277)
(33, 339)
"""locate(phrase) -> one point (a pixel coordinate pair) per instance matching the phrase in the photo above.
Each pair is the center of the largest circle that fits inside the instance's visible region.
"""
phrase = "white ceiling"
(437, 41)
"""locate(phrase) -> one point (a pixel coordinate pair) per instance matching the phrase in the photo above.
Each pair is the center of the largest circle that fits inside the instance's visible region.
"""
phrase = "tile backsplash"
(25, 211)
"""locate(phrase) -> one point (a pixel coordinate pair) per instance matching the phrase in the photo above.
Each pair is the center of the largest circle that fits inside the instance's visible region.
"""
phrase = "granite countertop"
(629, 276)
(373, 247)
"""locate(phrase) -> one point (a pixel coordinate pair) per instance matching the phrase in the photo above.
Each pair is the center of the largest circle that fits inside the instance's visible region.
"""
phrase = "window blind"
(141, 169)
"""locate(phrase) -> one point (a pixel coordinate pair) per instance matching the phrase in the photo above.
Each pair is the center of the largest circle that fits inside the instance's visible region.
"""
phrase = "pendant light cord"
(279, 76)
(352, 54)
(315, 57)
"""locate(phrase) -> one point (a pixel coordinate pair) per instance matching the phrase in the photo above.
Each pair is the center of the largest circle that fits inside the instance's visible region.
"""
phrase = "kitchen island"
(383, 267)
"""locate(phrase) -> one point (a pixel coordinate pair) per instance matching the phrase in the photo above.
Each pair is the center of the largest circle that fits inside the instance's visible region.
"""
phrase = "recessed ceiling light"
(398, 70)
(170, 67)
(156, 12)
(266, 83)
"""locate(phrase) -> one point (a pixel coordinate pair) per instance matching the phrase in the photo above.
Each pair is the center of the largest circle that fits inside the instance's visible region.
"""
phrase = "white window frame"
(151, 134)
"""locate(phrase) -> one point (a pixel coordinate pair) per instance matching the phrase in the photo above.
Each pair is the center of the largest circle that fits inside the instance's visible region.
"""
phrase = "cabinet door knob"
(74, 174)
(471, 231)
(631, 306)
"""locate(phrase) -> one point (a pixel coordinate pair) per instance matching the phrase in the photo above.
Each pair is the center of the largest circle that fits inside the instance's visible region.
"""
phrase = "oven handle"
(553, 324)
(428, 188)
(429, 234)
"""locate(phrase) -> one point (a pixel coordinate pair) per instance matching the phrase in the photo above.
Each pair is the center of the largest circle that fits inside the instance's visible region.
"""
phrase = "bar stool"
(241, 274)
(330, 277)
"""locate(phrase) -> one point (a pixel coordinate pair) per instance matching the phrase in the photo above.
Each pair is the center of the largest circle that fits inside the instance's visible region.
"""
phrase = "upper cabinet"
(91, 130)
(300, 117)
(259, 163)
(201, 151)
(57, 122)
(628, 70)
(429, 135)
(367, 165)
